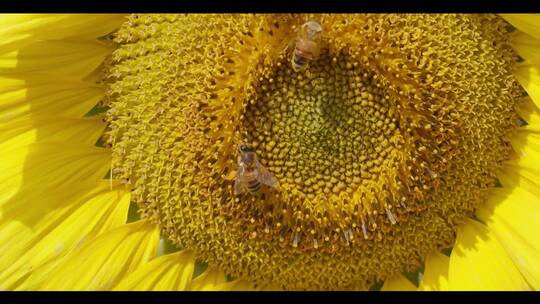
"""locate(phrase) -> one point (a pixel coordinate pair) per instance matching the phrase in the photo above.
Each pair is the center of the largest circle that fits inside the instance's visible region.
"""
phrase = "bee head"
(247, 155)
(246, 148)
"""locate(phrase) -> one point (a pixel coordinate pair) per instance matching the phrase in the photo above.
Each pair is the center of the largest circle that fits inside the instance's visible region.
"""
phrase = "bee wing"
(266, 177)
(238, 187)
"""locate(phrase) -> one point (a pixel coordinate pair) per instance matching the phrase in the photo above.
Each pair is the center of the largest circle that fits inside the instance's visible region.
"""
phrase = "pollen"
(382, 145)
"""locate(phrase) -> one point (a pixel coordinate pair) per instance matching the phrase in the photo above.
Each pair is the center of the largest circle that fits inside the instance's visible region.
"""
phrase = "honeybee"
(251, 173)
(307, 45)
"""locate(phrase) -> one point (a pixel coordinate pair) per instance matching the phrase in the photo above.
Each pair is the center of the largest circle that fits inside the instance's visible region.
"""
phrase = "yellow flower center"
(381, 146)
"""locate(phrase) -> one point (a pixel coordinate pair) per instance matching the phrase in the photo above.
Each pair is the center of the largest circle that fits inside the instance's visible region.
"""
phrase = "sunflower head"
(382, 145)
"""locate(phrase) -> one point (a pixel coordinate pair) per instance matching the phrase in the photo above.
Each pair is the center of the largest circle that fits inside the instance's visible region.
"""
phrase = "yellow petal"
(513, 214)
(528, 110)
(529, 77)
(28, 130)
(436, 272)
(73, 59)
(527, 47)
(209, 280)
(101, 262)
(514, 175)
(524, 256)
(528, 175)
(49, 204)
(526, 143)
(57, 227)
(479, 262)
(528, 23)
(398, 283)
(41, 94)
(41, 165)
(523, 169)
(168, 272)
(17, 30)
(520, 210)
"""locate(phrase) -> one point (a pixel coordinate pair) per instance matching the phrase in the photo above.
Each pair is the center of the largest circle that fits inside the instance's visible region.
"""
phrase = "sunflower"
(407, 152)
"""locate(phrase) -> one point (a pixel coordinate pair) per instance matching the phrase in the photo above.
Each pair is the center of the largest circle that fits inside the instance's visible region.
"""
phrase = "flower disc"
(382, 145)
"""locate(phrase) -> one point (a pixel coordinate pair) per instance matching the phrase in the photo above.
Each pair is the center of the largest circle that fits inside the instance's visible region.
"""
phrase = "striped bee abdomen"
(254, 186)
